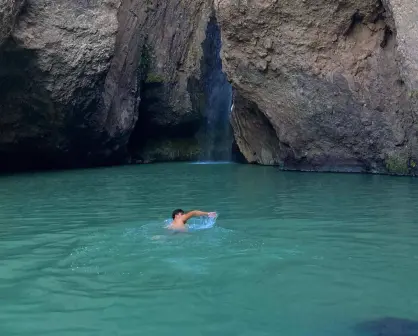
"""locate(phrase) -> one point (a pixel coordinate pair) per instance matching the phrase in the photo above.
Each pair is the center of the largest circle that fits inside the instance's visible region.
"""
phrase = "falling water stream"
(217, 133)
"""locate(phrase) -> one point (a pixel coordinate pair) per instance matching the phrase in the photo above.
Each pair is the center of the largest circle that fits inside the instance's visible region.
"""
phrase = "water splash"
(198, 223)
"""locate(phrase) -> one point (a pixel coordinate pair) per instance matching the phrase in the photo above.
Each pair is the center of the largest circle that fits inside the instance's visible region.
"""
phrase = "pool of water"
(295, 254)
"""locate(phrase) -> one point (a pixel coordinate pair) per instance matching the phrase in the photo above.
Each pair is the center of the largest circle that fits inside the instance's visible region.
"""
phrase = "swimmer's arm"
(195, 213)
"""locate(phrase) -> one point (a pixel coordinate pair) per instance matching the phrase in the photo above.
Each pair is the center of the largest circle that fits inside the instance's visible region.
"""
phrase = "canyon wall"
(83, 82)
(53, 67)
(323, 84)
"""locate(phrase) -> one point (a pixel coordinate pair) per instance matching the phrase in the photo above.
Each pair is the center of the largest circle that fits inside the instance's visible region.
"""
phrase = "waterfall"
(217, 138)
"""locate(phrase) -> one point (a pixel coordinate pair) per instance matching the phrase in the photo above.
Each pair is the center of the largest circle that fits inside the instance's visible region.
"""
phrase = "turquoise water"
(295, 254)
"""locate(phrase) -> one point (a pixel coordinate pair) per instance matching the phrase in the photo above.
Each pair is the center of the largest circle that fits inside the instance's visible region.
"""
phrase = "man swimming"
(180, 218)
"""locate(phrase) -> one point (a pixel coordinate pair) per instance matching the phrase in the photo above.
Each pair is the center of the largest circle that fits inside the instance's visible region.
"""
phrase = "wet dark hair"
(176, 212)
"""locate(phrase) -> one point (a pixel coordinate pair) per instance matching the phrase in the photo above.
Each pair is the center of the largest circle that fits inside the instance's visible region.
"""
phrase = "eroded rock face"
(405, 21)
(52, 71)
(9, 10)
(321, 84)
(168, 37)
(82, 82)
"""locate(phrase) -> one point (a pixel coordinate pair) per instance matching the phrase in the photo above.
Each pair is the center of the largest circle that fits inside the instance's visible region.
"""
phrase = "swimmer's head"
(177, 212)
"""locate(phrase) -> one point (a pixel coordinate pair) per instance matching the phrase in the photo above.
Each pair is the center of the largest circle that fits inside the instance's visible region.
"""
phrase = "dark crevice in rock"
(379, 14)
(236, 155)
(24, 8)
(202, 133)
(388, 34)
(27, 116)
(151, 134)
(247, 117)
(356, 19)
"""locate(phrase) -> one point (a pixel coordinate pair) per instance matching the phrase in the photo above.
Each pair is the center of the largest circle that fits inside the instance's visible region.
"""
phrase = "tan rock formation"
(319, 83)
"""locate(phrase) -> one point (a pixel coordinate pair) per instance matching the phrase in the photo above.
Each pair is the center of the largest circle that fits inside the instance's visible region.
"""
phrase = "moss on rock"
(154, 78)
(161, 150)
(399, 164)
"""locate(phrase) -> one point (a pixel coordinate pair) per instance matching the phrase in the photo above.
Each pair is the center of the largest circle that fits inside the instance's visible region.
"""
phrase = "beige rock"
(320, 84)
(405, 16)
(51, 74)
(334, 95)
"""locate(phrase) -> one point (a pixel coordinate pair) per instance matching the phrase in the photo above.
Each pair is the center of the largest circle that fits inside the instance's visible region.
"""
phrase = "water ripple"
(85, 252)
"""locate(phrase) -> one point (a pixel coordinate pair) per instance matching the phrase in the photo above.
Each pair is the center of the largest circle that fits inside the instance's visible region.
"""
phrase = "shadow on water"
(388, 326)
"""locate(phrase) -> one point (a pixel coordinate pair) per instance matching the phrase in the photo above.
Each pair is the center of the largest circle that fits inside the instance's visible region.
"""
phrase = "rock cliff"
(52, 72)
(324, 84)
(319, 84)
(169, 37)
(82, 82)
(9, 10)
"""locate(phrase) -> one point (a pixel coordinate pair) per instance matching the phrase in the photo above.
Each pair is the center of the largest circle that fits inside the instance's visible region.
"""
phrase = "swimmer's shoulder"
(177, 228)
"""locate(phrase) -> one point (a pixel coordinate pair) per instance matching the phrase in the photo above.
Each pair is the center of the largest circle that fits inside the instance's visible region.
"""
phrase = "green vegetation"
(145, 60)
(396, 165)
(413, 94)
(154, 78)
(400, 165)
(145, 75)
(186, 149)
(144, 63)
